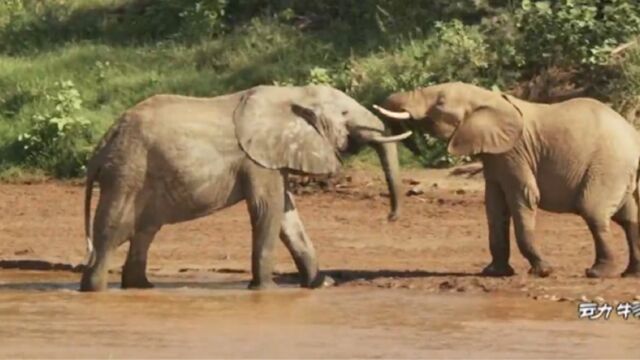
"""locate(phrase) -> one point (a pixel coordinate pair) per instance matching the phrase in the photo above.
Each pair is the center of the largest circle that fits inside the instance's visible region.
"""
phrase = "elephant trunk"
(388, 153)
(370, 130)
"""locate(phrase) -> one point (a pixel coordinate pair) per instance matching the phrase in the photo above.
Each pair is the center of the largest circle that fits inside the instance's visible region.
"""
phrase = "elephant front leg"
(266, 207)
(498, 218)
(295, 238)
(524, 219)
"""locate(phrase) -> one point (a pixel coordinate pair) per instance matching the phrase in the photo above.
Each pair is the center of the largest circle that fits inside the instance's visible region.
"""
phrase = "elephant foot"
(632, 271)
(541, 269)
(137, 284)
(498, 270)
(262, 285)
(601, 270)
(92, 282)
(321, 281)
(134, 276)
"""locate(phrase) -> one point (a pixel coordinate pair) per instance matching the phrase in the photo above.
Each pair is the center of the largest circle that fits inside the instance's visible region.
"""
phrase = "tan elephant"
(175, 158)
(578, 156)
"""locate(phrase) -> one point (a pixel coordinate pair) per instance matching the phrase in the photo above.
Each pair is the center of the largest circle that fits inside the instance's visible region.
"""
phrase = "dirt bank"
(439, 244)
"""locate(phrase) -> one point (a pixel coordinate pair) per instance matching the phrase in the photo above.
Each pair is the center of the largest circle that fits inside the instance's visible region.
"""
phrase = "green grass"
(115, 58)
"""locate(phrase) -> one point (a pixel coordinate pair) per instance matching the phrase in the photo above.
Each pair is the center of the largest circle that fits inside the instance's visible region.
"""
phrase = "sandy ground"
(433, 253)
(440, 242)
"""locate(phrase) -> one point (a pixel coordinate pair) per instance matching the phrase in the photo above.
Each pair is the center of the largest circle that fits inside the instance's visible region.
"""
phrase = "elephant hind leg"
(134, 272)
(597, 219)
(604, 264)
(113, 225)
(598, 204)
(627, 218)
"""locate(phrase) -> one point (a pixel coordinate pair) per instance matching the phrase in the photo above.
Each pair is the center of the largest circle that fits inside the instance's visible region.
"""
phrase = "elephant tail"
(94, 166)
(92, 174)
(636, 193)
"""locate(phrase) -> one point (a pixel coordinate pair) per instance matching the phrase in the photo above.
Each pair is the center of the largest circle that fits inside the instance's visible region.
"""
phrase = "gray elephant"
(175, 158)
(578, 156)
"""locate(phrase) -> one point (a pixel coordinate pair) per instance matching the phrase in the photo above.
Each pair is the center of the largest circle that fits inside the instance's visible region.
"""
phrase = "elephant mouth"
(353, 146)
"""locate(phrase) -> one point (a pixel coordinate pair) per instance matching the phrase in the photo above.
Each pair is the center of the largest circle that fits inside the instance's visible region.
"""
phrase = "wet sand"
(215, 317)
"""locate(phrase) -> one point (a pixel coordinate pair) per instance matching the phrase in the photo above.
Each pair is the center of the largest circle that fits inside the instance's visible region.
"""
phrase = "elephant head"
(304, 130)
(473, 120)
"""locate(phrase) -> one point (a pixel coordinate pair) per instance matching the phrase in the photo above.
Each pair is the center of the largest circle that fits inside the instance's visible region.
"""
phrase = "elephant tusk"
(385, 139)
(403, 115)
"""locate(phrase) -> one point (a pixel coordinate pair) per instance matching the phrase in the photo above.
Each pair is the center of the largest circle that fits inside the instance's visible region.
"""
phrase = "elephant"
(577, 156)
(173, 158)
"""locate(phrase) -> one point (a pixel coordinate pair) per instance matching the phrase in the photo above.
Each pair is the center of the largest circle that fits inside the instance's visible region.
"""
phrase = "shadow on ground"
(289, 279)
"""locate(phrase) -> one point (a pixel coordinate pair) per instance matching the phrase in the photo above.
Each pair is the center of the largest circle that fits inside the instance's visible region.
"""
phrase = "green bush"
(58, 139)
(574, 32)
(188, 20)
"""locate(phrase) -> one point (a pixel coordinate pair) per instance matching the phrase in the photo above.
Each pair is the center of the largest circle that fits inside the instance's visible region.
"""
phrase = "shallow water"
(213, 316)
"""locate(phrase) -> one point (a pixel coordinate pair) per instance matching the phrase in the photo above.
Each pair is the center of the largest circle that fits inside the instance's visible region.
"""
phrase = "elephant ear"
(490, 129)
(278, 133)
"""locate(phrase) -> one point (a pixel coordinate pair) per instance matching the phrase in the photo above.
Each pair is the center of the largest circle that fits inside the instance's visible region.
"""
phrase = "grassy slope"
(113, 72)
(112, 77)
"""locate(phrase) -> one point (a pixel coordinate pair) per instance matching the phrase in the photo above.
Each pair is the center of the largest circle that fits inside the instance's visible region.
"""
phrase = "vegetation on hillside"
(68, 68)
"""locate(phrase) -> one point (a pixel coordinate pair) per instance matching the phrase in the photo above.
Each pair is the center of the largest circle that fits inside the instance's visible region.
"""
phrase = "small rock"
(411, 181)
(416, 190)
(441, 201)
(461, 192)
(22, 252)
(554, 298)
(446, 285)
(564, 298)
(434, 185)
(637, 297)
(461, 289)
(598, 299)
(584, 298)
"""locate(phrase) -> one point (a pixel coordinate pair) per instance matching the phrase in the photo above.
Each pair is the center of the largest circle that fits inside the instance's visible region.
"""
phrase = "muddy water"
(213, 316)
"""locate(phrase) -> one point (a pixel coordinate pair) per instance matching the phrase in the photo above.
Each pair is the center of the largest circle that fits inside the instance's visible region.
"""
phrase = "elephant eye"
(345, 112)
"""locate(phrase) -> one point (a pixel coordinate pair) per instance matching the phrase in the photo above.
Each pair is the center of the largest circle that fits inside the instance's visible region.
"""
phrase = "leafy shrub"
(57, 140)
(459, 47)
(186, 19)
(574, 32)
